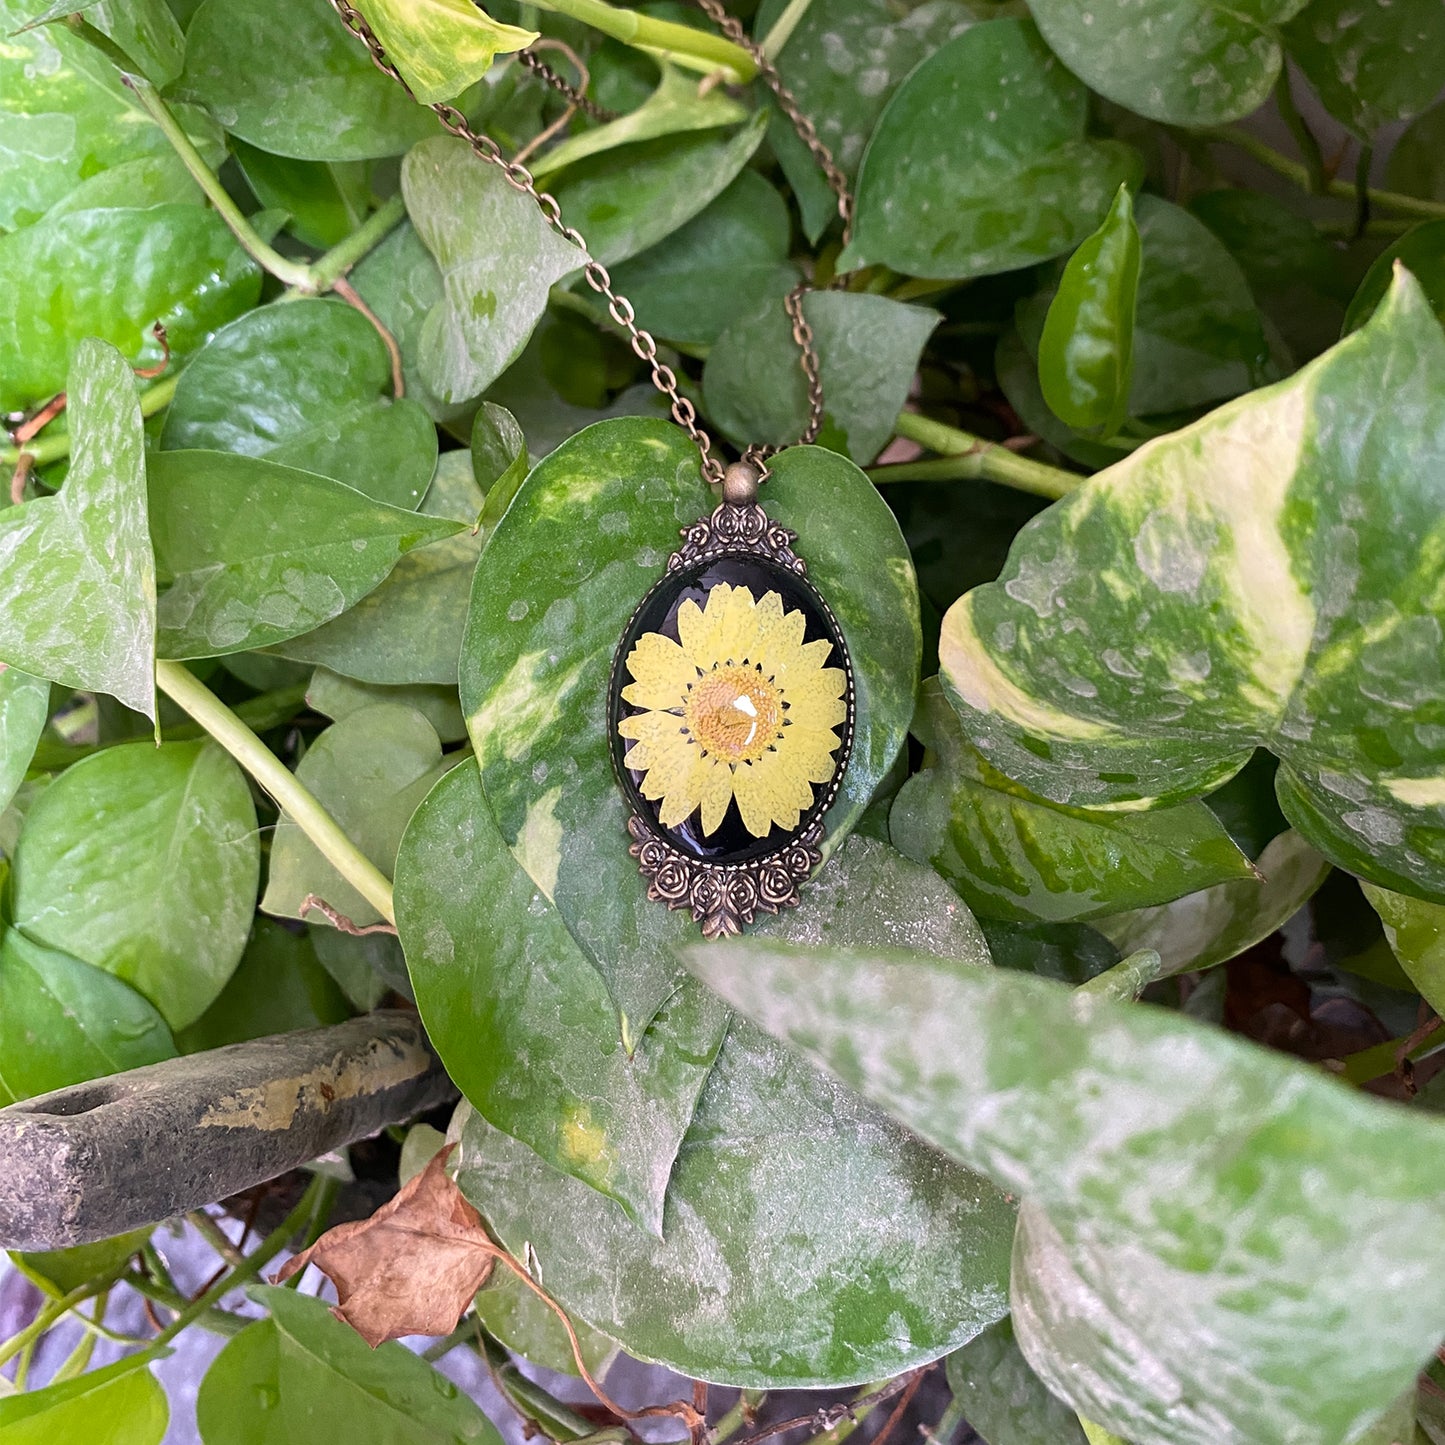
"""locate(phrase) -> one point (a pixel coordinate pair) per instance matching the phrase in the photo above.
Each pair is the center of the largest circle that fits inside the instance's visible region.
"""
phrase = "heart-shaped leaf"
(298, 384)
(121, 1404)
(1262, 577)
(1014, 856)
(723, 263)
(78, 598)
(63, 1021)
(868, 349)
(853, 1255)
(523, 1021)
(1219, 923)
(843, 62)
(24, 707)
(1185, 62)
(115, 275)
(281, 1375)
(585, 537)
(1217, 1209)
(442, 46)
(980, 164)
(143, 861)
(369, 771)
(1370, 65)
(257, 552)
(317, 96)
(625, 200)
(498, 259)
(409, 630)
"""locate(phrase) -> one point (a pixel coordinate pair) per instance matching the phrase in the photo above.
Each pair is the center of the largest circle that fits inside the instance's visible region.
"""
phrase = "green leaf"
(843, 62)
(1014, 856)
(498, 259)
(726, 261)
(153, 180)
(1371, 65)
(854, 1255)
(1002, 1398)
(325, 203)
(679, 104)
(58, 1271)
(409, 630)
(442, 46)
(1226, 587)
(1185, 62)
(145, 30)
(78, 601)
(586, 536)
(1219, 923)
(257, 552)
(143, 861)
(1416, 934)
(525, 1024)
(119, 1404)
(24, 707)
(980, 164)
(298, 384)
(1417, 162)
(365, 968)
(114, 274)
(317, 97)
(511, 1313)
(403, 284)
(868, 350)
(1086, 353)
(1200, 1214)
(1069, 952)
(369, 771)
(499, 459)
(276, 1380)
(626, 200)
(63, 1021)
(1421, 251)
(336, 697)
(278, 986)
(65, 116)
(1198, 337)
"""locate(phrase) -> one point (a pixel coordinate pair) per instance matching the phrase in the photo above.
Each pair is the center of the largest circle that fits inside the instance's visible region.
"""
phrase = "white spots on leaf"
(1169, 550)
(518, 610)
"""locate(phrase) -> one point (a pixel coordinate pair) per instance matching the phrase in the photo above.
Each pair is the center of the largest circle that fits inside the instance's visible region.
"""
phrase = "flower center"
(735, 713)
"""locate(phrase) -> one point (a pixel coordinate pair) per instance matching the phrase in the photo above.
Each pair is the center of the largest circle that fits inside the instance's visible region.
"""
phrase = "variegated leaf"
(1269, 575)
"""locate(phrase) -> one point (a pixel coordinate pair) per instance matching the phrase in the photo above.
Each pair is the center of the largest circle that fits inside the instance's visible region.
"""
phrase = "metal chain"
(530, 60)
(643, 344)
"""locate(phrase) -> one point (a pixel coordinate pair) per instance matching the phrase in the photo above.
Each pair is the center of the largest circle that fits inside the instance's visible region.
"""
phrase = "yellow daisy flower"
(740, 707)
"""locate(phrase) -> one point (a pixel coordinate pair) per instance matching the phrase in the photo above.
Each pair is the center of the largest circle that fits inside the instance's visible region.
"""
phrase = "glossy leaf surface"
(24, 705)
(1209, 1210)
(63, 1021)
(1086, 353)
(774, 1268)
(299, 384)
(79, 578)
(257, 552)
(868, 350)
(1193, 601)
(524, 1021)
(1006, 178)
(1416, 933)
(114, 274)
(1016, 857)
(143, 861)
(545, 620)
(1421, 250)
(118, 1404)
(369, 771)
(1184, 62)
(318, 97)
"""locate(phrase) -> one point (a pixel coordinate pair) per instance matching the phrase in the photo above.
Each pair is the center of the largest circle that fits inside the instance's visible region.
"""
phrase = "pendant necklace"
(730, 705)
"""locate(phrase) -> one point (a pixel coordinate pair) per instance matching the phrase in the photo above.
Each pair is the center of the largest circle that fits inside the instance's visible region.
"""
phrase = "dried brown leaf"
(413, 1267)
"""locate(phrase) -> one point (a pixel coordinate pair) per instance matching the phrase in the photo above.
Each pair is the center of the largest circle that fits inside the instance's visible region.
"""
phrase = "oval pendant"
(730, 711)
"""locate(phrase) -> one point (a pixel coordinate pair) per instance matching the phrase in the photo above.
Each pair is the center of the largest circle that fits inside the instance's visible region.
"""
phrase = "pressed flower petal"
(661, 671)
(698, 630)
(715, 794)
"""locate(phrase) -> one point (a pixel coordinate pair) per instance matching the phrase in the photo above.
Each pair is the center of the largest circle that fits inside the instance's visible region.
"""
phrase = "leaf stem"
(335, 263)
(44, 450)
(50, 1315)
(783, 27)
(1304, 137)
(1281, 165)
(288, 272)
(696, 49)
(966, 457)
(192, 695)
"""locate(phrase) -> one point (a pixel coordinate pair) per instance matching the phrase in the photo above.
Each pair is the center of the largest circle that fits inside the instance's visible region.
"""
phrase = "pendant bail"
(740, 483)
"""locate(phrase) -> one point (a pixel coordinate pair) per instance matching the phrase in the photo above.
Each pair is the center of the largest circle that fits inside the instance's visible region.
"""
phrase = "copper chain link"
(530, 60)
(684, 413)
